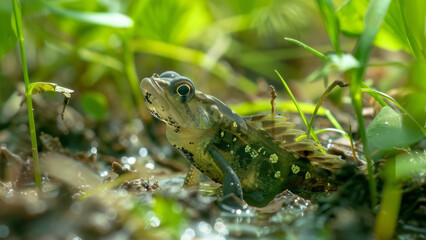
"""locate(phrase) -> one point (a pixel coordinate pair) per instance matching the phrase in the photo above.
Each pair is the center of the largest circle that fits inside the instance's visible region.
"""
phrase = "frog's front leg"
(231, 183)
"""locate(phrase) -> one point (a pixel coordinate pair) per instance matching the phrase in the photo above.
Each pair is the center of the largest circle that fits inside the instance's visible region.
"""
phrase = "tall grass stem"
(20, 36)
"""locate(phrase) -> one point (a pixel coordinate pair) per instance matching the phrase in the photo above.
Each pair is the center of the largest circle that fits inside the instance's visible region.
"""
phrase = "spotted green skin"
(201, 124)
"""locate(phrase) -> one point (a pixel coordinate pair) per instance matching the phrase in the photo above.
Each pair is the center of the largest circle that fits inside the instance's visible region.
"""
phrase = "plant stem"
(299, 110)
(356, 96)
(17, 15)
(324, 95)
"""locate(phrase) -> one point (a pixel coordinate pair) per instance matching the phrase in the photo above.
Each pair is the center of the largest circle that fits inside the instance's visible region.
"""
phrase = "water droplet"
(134, 139)
(150, 165)
(188, 234)
(104, 173)
(204, 227)
(220, 227)
(143, 152)
(131, 160)
(154, 221)
(94, 150)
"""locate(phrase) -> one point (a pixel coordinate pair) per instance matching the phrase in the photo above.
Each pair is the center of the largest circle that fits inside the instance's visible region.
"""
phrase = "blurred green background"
(230, 49)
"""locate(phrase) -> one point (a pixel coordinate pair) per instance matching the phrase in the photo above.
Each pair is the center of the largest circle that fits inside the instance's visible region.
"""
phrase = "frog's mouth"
(155, 93)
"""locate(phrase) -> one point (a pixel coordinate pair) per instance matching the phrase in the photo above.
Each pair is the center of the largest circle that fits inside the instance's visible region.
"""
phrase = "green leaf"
(410, 165)
(95, 104)
(335, 63)
(373, 20)
(40, 87)
(414, 17)
(7, 35)
(351, 17)
(375, 93)
(111, 19)
(389, 130)
(391, 35)
(331, 23)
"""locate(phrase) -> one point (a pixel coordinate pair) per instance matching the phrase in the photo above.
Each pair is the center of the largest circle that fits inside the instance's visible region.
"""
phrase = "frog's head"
(172, 98)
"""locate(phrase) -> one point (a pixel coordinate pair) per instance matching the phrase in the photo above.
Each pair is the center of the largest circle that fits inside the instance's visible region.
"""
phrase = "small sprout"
(277, 174)
(295, 169)
(247, 149)
(273, 158)
(234, 125)
(234, 139)
(222, 134)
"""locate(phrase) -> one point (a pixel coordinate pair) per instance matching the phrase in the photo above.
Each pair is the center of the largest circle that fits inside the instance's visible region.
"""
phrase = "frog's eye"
(183, 90)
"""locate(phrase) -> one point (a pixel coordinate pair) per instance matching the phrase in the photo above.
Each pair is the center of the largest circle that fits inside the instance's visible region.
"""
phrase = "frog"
(254, 157)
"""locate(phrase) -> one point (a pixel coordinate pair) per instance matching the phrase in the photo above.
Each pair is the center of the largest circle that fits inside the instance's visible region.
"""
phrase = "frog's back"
(268, 160)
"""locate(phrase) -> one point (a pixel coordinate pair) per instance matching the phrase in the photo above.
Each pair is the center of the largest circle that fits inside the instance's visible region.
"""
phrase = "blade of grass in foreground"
(374, 17)
(17, 16)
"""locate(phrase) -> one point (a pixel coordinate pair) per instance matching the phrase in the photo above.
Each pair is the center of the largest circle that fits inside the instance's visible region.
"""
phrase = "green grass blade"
(377, 98)
(416, 50)
(374, 17)
(17, 16)
(373, 20)
(298, 109)
(310, 49)
(331, 23)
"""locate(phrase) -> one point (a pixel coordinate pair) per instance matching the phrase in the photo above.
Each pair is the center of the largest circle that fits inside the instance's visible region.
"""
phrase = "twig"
(273, 96)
